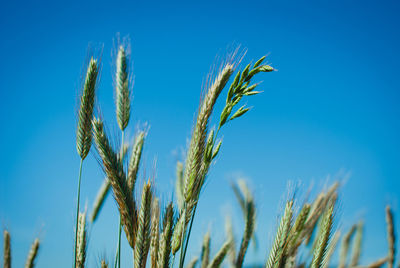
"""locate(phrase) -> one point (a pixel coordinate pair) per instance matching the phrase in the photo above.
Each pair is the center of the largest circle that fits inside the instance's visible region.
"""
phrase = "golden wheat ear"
(30, 261)
(103, 264)
(7, 249)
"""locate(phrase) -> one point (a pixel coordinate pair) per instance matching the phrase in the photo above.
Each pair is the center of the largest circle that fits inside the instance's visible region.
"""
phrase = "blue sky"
(332, 108)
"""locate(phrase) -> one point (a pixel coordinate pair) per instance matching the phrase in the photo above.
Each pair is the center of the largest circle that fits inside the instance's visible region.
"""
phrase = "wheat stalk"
(112, 165)
(30, 261)
(193, 263)
(143, 231)
(7, 249)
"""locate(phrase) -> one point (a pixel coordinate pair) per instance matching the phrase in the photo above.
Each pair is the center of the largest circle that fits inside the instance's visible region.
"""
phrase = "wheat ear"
(331, 249)
(323, 237)
(197, 143)
(84, 130)
(193, 262)
(103, 264)
(155, 232)
(297, 229)
(179, 184)
(356, 250)
(143, 231)
(114, 170)
(81, 243)
(205, 250)
(103, 192)
(344, 248)
(275, 254)
(7, 249)
(166, 235)
(30, 261)
(122, 89)
(231, 238)
(220, 256)
(390, 237)
(250, 218)
(134, 162)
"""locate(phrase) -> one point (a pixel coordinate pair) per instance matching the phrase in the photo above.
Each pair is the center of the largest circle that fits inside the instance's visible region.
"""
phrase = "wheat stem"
(77, 209)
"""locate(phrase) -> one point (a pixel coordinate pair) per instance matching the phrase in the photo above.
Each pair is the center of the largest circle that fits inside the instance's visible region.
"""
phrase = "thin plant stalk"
(118, 253)
(77, 208)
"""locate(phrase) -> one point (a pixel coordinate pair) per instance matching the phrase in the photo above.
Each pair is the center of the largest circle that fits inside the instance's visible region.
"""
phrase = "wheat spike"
(103, 264)
(143, 231)
(344, 248)
(250, 218)
(81, 242)
(7, 249)
(122, 89)
(166, 235)
(323, 237)
(356, 250)
(331, 249)
(155, 232)
(197, 143)
(30, 261)
(220, 256)
(231, 238)
(179, 184)
(297, 229)
(205, 250)
(84, 130)
(193, 262)
(390, 237)
(135, 160)
(103, 192)
(275, 254)
(114, 170)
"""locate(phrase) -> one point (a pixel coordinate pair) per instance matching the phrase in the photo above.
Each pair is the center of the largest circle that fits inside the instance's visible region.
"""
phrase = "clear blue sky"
(332, 106)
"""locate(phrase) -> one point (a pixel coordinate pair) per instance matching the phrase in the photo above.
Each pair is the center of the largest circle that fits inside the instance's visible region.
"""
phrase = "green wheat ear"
(84, 131)
(122, 89)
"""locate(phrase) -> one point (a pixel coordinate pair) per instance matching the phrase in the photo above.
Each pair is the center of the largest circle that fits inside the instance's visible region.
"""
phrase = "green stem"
(77, 208)
(186, 241)
(118, 253)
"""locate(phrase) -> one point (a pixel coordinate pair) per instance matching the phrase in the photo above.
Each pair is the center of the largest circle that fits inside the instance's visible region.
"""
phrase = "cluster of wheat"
(162, 234)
